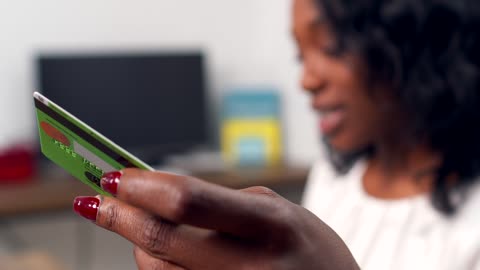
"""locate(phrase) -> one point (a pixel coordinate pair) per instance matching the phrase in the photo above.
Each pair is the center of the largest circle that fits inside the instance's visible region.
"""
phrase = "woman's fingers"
(186, 200)
(139, 227)
(147, 262)
(181, 245)
(295, 234)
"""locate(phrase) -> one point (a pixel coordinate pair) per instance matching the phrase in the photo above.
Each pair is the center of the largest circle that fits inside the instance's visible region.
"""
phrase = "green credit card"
(79, 149)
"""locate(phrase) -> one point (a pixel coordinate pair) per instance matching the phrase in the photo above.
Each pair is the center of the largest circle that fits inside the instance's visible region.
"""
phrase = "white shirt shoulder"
(466, 228)
(403, 234)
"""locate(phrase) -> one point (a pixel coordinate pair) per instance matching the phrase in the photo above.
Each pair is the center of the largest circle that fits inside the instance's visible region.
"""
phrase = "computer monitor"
(152, 104)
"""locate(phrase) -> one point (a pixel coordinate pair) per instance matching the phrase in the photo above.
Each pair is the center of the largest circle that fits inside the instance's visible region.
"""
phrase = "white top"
(394, 234)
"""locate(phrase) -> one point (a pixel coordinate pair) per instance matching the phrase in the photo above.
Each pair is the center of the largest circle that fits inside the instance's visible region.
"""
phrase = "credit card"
(76, 147)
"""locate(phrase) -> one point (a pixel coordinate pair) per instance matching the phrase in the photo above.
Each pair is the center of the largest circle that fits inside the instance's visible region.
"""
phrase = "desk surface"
(48, 193)
(31, 260)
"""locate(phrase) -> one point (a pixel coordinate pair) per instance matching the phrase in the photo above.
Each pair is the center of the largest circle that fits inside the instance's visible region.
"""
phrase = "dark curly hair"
(428, 51)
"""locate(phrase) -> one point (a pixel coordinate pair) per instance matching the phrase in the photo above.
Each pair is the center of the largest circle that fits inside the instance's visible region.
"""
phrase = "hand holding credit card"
(179, 222)
(79, 149)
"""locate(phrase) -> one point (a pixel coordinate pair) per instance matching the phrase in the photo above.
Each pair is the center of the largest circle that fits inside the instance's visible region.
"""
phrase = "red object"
(16, 165)
(87, 207)
(110, 182)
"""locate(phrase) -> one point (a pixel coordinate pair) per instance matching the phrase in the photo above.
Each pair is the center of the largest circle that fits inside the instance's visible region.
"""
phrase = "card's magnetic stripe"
(83, 134)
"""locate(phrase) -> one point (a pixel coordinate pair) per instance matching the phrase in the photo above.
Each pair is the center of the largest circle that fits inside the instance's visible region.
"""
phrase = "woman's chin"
(344, 144)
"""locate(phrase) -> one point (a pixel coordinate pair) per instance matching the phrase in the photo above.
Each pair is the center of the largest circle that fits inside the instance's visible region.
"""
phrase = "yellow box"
(265, 134)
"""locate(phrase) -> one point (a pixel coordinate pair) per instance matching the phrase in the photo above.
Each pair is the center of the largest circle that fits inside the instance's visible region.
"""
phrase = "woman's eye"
(328, 45)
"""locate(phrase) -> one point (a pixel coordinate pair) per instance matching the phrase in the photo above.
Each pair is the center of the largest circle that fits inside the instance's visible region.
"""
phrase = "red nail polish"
(110, 182)
(86, 207)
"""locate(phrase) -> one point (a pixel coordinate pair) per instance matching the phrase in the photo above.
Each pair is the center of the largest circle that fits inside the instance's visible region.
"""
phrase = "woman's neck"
(400, 170)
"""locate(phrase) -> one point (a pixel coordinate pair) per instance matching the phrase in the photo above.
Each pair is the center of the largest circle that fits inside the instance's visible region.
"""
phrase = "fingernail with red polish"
(110, 182)
(86, 207)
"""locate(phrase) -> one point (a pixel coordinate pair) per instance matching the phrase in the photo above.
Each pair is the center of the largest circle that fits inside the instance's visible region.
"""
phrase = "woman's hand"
(179, 222)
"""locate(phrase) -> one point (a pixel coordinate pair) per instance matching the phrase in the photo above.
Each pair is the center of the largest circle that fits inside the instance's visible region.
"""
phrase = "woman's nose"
(312, 81)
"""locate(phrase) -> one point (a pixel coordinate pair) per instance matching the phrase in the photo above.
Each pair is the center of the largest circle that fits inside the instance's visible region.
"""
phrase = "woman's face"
(349, 114)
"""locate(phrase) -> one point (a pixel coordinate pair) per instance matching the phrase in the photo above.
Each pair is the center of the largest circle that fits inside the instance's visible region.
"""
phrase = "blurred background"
(208, 88)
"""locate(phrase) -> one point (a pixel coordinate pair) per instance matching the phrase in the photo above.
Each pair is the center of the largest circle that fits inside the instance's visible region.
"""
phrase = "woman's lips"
(331, 120)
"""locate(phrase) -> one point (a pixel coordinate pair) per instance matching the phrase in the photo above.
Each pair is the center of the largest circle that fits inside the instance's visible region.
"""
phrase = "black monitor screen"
(147, 103)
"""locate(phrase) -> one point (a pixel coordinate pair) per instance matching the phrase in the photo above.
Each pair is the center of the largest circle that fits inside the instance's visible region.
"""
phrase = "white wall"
(248, 43)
